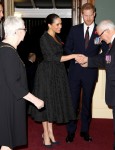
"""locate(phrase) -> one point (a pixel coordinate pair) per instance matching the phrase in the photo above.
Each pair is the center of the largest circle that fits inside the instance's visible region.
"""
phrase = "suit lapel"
(94, 33)
(82, 32)
(93, 36)
(112, 45)
(82, 35)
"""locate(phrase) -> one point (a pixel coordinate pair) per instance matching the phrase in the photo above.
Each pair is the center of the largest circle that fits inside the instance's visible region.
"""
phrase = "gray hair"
(11, 24)
(106, 24)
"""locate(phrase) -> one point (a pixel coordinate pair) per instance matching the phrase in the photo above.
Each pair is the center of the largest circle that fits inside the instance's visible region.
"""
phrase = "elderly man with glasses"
(106, 32)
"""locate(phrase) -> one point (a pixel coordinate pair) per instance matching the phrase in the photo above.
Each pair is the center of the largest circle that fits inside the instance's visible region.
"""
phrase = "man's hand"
(84, 65)
(81, 59)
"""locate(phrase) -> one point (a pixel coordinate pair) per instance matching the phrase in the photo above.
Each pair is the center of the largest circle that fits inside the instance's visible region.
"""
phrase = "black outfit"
(51, 84)
(110, 76)
(31, 70)
(13, 87)
(82, 79)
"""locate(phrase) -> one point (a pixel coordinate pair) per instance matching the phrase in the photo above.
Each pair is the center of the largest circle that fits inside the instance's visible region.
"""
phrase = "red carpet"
(101, 130)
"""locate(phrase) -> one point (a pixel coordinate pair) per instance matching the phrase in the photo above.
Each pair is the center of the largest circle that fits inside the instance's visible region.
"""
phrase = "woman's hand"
(39, 103)
(35, 100)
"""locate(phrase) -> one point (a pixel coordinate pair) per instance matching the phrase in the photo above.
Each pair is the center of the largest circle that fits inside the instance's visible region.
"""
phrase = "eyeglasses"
(102, 32)
(25, 29)
(98, 40)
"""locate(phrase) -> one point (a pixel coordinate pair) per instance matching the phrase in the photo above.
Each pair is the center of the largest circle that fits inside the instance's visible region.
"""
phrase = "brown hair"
(31, 55)
(1, 3)
(88, 6)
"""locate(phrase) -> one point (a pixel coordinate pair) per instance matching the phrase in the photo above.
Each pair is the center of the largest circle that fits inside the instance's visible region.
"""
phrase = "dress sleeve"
(12, 73)
(49, 50)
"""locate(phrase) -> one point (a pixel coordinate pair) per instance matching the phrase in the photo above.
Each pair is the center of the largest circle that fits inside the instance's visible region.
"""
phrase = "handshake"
(81, 59)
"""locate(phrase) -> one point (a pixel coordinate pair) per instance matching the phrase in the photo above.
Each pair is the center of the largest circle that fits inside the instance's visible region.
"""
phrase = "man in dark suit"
(106, 30)
(31, 66)
(81, 40)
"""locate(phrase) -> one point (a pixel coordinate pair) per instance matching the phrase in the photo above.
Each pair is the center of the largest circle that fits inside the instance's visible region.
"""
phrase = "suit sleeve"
(97, 61)
(48, 50)
(11, 71)
(104, 47)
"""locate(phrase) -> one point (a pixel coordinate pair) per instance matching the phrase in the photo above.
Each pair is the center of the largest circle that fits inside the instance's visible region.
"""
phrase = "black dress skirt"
(51, 85)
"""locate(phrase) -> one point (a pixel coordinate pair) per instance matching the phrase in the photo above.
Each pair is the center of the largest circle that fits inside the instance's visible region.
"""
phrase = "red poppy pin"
(95, 32)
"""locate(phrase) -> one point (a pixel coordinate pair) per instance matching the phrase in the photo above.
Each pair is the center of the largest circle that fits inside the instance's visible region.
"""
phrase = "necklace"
(15, 51)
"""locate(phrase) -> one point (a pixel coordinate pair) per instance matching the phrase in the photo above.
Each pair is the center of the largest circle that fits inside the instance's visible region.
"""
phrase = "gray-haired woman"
(13, 87)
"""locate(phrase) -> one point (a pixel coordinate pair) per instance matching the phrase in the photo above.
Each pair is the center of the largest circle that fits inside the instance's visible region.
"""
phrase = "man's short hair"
(88, 6)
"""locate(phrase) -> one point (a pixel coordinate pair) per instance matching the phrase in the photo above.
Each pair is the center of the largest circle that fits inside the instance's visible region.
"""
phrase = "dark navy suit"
(82, 78)
(110, 77)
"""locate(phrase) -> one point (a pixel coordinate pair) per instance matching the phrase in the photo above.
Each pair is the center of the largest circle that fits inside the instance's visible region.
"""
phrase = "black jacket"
(100, 61)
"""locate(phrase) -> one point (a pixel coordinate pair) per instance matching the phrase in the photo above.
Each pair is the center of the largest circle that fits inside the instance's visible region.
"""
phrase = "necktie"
(87, 37)
(110, 45)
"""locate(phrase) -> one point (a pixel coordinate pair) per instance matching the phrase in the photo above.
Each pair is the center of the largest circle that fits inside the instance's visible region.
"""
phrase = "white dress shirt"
(91, 27)
(112, 38)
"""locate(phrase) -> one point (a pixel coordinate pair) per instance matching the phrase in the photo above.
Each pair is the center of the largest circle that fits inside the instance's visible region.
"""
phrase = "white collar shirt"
(91, 27)
(112, 38)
